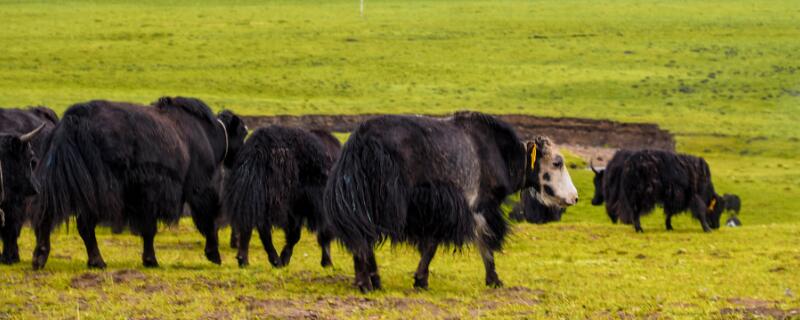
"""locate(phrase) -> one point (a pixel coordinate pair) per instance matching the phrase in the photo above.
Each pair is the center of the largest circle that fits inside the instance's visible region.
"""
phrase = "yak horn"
(30, 135)
(591, 165)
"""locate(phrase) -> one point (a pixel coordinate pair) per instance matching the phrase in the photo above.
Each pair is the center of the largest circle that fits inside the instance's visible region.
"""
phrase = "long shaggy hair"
(130, 166)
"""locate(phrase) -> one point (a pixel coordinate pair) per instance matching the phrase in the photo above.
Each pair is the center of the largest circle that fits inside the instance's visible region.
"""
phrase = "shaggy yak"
(23, 137)
(129, 165)
(634, 182)
(532, 210)
(732, 202)
(278, 179)
(429, 182)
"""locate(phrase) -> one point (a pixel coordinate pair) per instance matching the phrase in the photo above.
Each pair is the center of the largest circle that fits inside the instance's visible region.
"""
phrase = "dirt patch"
(203, 282)
(564, 131)
(278, 308)
(127, 275)
(87, 281)
(307, 277)
(519, 296)
(409, 304)
(753, 308)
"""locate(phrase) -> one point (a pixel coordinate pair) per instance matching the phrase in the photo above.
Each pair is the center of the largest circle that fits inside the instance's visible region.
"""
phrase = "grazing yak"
(23, 137)
(430, 181)
(530, 209)
(134, 166)
(278, 179)
(634, 182)
(732, 202)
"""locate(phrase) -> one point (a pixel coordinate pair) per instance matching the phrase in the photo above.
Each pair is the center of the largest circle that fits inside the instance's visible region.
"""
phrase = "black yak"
(278, 179)
(634, 182)
(732, 202)
(134, 166)
(530, 209)
(432, 181)
(23, 136)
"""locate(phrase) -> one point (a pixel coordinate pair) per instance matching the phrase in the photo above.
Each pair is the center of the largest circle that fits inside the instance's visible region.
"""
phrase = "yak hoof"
(277, 263)
(243, 262)
(420, 284)
(9, 260)
(96, 264)
(494, 283)
(365, 287)
(150, 262)
(376, 282)
(214, 257)
(326, 262)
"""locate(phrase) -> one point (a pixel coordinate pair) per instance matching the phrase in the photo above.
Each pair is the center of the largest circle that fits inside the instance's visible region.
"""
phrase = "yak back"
(656, 177)
(21, 121)
(104, 153)
(277, 169)
(414, 178)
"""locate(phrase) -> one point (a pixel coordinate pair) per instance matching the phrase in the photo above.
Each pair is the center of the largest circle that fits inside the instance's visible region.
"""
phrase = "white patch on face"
(565, 193)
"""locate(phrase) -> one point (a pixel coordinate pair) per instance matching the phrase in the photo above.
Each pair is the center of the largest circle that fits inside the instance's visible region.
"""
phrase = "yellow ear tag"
(713, 204)
(533, 157)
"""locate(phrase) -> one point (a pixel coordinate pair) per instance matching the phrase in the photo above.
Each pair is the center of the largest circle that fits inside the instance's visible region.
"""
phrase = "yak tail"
(257, 189)
(73, 175)
(364, 199)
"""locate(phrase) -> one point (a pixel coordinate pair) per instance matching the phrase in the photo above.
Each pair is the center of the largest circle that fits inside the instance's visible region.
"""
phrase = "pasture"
(723, 76)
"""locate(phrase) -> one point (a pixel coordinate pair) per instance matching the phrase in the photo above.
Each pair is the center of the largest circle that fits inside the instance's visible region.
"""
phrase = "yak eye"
(558, 164)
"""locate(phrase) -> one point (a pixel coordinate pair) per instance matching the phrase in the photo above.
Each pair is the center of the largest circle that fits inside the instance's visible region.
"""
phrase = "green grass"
(724, 76)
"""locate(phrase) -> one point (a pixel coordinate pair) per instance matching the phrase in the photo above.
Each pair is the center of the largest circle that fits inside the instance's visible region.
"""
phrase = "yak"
(732, 203)
(23, 136)
(278, 179)
(427, 182)
(533, 211)
(634, 182)
(133, 166)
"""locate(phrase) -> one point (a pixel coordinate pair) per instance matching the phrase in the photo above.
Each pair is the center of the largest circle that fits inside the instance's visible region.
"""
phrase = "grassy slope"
(723, 75)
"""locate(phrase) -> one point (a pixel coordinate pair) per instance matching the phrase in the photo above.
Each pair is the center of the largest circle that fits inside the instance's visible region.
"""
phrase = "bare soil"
(592, 135)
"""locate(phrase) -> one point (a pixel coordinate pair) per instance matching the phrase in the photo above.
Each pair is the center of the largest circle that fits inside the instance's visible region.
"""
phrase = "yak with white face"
(430, 181)
(551, 179)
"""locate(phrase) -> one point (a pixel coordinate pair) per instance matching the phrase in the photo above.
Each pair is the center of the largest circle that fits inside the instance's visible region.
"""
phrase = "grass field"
(724, 76)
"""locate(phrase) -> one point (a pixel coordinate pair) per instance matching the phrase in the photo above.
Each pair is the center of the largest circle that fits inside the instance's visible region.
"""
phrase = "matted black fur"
(132, 166)
(18, 159)
(732, 202)
(635, 182)
(278, 180)
(427, 182)
(533, 211)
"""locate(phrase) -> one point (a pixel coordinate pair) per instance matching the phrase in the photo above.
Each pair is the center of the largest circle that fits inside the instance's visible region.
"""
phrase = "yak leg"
(234, 239)
(361, 266)
(205, 208)
(372, 269)
(699, 210)
(669, 222)
(492, 280)
(427, 250)
(243, 238)
(42, 229)
(148, 232)
(10, 233)
(86, 230)
(265, 233)
(324, 239)
(292, 235)
(636, 224)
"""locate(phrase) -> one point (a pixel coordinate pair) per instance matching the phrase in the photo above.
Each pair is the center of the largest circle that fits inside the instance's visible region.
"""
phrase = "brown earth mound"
(564, 131)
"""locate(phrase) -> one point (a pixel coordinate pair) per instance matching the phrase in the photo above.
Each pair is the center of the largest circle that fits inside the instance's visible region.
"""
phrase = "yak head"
(547, 174)
(235, 131)
(599, 197)
(714, 210)
(16, 165)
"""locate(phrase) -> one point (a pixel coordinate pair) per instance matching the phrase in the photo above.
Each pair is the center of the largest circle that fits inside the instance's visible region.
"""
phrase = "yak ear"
(543, 144)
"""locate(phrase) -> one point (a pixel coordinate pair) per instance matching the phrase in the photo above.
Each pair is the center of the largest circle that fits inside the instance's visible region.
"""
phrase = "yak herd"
(412, 179)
